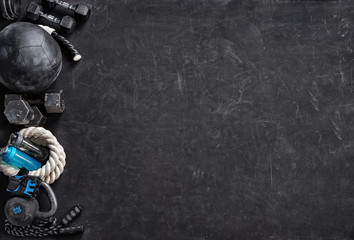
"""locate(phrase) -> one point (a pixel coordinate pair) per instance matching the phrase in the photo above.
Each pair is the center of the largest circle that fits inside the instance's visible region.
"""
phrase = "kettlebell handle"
(53, 203)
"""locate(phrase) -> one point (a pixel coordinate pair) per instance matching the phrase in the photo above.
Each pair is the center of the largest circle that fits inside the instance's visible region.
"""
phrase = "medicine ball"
(30, 59)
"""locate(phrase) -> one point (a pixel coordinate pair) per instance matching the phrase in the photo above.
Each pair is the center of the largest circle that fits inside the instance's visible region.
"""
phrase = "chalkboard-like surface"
(208, 120)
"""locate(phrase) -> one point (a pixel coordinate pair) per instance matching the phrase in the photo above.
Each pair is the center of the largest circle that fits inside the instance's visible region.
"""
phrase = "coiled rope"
(42, 229)
(47, 227)
(54, 167)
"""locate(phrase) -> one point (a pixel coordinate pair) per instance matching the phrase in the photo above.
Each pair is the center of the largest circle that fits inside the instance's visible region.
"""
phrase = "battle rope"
(47, 227)
(56, 162)
(63, 42)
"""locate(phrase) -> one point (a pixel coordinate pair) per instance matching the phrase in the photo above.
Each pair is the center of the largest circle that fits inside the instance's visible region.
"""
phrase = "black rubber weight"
(10, 9)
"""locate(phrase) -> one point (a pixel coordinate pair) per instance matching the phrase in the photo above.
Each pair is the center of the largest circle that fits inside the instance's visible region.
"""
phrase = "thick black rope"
(62, 41)
(42, 229)
(47, 227)
(66, 44)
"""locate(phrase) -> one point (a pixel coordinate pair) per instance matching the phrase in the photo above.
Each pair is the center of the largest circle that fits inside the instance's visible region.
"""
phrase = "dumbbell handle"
(30, 101)
(66, 5)
(49, 17)
(34, 101)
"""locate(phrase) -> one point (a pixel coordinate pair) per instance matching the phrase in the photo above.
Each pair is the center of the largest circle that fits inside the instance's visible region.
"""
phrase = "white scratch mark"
(180, 81)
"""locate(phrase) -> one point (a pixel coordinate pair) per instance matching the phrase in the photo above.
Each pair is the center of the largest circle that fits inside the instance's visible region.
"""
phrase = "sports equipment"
(81, 11)
(76, 56)
(30, 59)
(23, 185)
(37, 151)
(23, 211)
(19, 112)
(53, 101)
(34, 12)
(19, 159)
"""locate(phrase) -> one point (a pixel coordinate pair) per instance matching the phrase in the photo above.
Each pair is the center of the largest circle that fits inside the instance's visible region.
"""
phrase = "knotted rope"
(56, 162)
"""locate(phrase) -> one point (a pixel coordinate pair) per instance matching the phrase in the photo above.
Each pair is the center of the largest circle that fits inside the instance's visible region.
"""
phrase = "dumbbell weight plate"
(12, 97)
(67, 25)
(82, 12)
(54, 102)
(38, 119)
(19, 112)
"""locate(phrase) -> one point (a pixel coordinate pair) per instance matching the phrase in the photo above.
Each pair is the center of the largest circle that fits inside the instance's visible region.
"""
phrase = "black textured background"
(210, 119)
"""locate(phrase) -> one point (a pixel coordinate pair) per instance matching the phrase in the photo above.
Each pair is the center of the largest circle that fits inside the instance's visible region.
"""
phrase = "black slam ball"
(30, 59)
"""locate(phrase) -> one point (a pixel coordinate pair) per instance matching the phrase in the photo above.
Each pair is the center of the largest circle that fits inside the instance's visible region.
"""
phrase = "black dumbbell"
(34, 11)
(19, 112)
(53, 101)
(81, 11)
